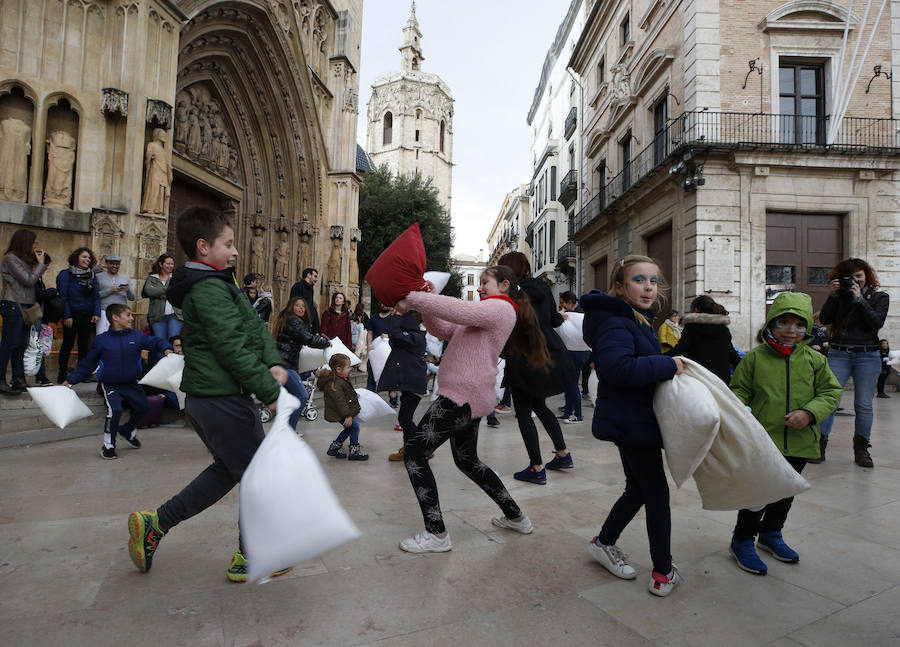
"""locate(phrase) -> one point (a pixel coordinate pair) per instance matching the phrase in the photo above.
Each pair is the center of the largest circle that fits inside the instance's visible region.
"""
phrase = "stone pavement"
(66, 579)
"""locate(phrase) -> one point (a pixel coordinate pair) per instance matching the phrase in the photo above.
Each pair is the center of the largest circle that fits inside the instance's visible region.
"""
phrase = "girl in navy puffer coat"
(628, 361)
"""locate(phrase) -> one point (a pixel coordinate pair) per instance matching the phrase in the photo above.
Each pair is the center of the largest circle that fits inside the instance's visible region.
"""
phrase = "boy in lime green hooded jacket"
(789, 388)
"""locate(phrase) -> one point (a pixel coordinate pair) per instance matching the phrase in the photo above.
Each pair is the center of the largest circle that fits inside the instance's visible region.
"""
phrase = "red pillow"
(400, 268)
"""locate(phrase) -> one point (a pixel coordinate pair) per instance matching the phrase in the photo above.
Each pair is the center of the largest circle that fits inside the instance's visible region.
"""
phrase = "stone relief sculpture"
(258, 253)
(15, 147)
(158, 175)
(60, 164)
(202, 131)
(281, 256)
(305, 233)
(334, 260)
(320, 37)
(353, 270)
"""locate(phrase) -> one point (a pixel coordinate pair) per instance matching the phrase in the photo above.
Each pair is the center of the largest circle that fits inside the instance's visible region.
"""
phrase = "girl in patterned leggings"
(477, 331)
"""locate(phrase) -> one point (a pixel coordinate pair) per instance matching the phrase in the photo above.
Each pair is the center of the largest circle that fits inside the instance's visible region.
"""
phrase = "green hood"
(794, 303)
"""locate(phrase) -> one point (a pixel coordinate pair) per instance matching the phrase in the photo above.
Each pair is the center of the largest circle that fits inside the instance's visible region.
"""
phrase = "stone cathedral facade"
(410, 118)
(116, 115)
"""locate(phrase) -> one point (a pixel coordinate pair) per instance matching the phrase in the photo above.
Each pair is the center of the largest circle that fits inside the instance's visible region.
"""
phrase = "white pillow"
(175, 387)
(498, 390)
(337, 346)
(60, 404)
(371, 405)
(381, 350)
(433, 345)
(288, 511)
(310, 359)
(687, 431)
(439, 279)
(165, 368)
(570, 331)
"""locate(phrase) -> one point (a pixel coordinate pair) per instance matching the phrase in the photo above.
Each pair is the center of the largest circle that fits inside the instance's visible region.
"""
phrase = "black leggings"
(645, 485)
(408, 403)
(82, 327)
(445, 420)
(771, 518)
(525, 403)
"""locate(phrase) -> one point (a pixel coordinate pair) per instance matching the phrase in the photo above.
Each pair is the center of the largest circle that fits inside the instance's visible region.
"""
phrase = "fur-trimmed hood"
(705, 318)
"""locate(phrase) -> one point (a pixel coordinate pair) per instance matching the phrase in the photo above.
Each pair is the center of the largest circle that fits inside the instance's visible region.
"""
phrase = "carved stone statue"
(353, 270)
(205, 133)
(334, 260)
(158, 175)
(181, 125)
(281, 256)
(257, 253)
(60, 162)
(15, 147)
(305, 232)
(193, 135)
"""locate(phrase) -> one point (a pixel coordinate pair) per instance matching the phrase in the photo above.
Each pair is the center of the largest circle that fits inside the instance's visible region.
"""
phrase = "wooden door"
(659, 248)
(800, 251)
(601, 275)
(187, 194)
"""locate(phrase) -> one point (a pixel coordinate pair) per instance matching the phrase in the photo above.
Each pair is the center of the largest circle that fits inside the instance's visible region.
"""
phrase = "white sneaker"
(613, 559)
(425, 542)
(661, 585)
(523, 525)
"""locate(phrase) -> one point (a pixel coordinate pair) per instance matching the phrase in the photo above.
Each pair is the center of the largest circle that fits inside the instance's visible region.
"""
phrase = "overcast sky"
(490, 53)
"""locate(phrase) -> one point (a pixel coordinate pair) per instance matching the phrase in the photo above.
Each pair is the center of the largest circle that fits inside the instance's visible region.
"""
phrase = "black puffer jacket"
(519, 374)
(293, 337)
(707, 340)
(855, 323)
(405, 368)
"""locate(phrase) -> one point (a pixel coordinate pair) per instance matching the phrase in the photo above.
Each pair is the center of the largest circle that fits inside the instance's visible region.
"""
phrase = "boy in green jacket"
(228, 354)
(789, 387)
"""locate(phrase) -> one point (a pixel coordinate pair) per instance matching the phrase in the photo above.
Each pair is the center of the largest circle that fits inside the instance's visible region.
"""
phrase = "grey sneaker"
(612, 558)
(523, 525)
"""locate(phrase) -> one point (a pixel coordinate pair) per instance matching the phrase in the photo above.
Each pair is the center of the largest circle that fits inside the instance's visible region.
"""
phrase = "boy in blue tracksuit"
(116, 354)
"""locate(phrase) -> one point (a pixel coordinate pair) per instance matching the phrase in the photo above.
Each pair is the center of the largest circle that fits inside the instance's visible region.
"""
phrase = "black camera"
(846, 283)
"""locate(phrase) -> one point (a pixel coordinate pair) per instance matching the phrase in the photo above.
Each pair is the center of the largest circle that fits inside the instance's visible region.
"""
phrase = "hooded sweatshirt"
(773, 384)
(227, 348)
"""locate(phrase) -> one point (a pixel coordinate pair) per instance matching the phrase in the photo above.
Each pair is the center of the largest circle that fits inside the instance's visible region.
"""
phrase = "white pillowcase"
(371, 405)
(175, 387)
(310, 359)
(439, 279)
(60, 404)
(337, 346)
(165, 368)
(570, 331)
(378, 356)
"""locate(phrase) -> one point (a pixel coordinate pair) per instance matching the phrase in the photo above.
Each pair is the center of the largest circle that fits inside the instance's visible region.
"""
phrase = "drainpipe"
(580, 175)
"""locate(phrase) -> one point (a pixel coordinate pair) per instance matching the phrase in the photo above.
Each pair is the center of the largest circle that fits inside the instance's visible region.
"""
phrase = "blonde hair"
(620, 272)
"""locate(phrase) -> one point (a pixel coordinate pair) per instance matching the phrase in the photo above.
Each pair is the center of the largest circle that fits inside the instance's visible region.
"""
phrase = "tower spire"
(411, 50)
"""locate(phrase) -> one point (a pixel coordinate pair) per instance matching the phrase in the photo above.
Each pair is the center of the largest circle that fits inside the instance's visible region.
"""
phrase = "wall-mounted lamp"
(755, 66)
(878, 72)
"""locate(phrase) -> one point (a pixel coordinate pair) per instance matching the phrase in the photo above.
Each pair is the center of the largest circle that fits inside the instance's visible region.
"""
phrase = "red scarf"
(779, 348)
(503, 297)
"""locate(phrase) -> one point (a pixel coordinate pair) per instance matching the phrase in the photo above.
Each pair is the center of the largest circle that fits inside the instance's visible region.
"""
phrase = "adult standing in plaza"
(568, 302)
(164, 318)
(856, 310)
(21, 267)
(114, 288)
(531, 386)
(378, 326)
(706, 338)
(80, 291)
(336, 320)
(305, 288)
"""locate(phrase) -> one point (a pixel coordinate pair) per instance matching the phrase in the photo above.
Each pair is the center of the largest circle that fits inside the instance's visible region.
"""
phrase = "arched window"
(442, 135)
(418, 114)
(388, 129)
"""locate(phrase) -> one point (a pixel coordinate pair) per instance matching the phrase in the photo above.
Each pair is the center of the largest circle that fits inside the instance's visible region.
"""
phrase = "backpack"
(52, 303)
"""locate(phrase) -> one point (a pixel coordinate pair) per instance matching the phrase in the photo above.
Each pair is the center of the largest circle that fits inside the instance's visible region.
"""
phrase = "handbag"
(31, 314)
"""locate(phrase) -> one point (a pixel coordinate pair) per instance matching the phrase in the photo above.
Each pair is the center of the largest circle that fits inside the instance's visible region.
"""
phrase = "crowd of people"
(236, 343)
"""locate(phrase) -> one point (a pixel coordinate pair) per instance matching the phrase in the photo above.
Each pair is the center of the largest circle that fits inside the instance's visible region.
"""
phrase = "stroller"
(310, 412)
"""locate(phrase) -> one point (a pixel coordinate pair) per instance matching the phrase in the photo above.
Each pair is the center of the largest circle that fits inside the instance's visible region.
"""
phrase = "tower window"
(442, 135)
(388, 135)
(417, 134)
(418, 114)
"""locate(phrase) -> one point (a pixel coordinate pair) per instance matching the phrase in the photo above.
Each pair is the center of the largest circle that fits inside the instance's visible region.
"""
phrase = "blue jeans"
(166, 327)
(352, 431)
(865, 369)
(294, 386)
(573, 392)
(14, 340)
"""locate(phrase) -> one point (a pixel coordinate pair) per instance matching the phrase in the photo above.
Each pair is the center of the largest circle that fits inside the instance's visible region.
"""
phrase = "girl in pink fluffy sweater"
(477, 331)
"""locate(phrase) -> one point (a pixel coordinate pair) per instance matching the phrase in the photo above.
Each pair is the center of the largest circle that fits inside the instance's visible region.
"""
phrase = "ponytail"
(526, 338)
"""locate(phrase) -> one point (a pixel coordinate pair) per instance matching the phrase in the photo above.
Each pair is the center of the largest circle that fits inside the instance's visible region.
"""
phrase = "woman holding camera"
(856, 311)
(21, 268)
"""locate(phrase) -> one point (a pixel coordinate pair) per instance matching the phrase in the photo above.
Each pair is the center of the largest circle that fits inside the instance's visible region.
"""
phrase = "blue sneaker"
(745, 554)
(772, 542)
(560, 463)
(531, 475)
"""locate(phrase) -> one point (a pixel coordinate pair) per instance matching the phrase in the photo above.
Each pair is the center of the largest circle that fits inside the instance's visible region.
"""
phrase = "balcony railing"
(704, 130)
(571, 122)
(568, 188)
